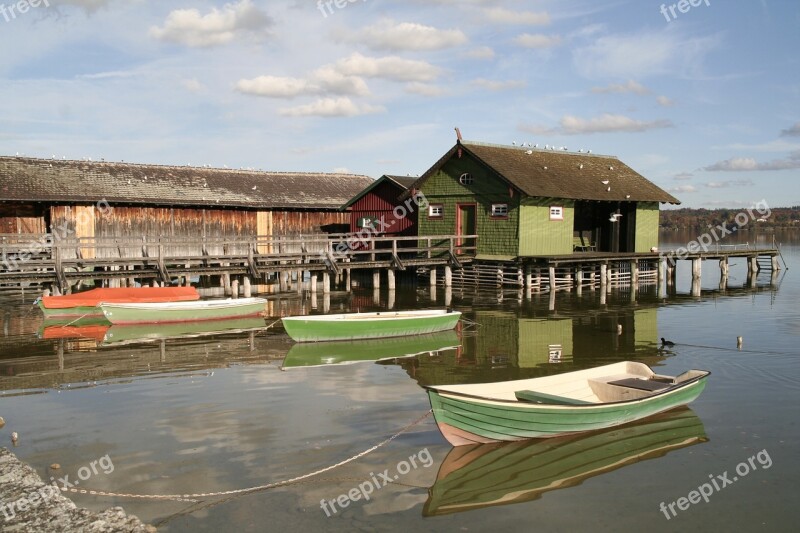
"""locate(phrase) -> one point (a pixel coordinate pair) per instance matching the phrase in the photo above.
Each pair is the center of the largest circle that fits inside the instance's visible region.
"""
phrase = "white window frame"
(466, 179)
(499, 211)
(556, 212)
(436, 211)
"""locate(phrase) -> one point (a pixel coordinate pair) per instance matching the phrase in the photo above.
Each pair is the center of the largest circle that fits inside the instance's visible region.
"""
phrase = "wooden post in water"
(326, 284)
(376, 279)
(774, 260)
(696, 267)
(235, 289)
(579, 280)
(552, 274)
(391, 299)
(754, 264)
(390, 281)
(603, 276)
(432, 276)
(313, 283)
(634, 273)
(348, 280)
(248, 292)
(528, 277)
(448, 276)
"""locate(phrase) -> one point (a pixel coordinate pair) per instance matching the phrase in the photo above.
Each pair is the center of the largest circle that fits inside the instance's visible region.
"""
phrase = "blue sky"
(705, 104)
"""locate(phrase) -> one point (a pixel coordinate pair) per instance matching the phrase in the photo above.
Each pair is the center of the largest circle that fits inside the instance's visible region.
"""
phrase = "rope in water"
(193, 497)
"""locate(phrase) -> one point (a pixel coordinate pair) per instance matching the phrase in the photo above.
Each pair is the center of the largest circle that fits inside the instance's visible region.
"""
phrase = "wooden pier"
(304, 262)
(289, 260)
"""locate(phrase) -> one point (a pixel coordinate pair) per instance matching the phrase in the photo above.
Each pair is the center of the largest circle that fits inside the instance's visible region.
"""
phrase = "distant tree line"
(689, 218)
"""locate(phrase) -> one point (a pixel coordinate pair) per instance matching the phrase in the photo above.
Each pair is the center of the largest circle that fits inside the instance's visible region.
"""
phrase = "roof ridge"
(542, 150)
(165, 166)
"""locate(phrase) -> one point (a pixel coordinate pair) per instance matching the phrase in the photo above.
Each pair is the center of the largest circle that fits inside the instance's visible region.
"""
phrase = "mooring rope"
(194, 497)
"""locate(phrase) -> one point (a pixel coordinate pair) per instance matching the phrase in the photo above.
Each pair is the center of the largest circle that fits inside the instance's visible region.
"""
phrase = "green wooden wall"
(541, 236)
(497, 236)
(646, 226)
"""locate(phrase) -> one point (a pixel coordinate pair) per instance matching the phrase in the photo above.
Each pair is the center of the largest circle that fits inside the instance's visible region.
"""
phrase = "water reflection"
(484, 475)
(511, 345)
(308, 354)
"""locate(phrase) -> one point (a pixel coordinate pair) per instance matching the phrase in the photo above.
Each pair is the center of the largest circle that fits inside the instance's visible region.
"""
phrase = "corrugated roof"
(31, 179)
(559, 174)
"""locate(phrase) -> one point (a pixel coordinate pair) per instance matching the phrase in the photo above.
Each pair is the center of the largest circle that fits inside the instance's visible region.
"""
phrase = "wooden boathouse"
(550, 219)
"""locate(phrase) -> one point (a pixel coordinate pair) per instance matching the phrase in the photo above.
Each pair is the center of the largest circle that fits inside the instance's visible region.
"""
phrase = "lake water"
(218, 413)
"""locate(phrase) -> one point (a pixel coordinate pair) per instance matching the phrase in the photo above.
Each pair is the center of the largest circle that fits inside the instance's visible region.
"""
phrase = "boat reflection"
(106, 335)
(309, 354)
(485, 475)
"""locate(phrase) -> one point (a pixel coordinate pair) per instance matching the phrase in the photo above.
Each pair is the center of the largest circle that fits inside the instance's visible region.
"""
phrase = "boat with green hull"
(175, 312)
(382, 324)
(310, 354)
(486, 475)
(81, 308)
(562, 404)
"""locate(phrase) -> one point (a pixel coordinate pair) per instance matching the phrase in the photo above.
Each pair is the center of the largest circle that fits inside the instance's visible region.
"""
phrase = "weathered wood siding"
(496, 236)
(646, 226)
(220, 227)
(22, 219)
(541, 236)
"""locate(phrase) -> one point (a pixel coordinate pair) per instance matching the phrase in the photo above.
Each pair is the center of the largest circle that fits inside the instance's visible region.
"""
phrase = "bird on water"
(666, 343)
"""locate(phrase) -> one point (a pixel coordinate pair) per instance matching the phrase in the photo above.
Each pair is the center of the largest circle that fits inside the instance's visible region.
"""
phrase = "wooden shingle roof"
(24, 179)
(559, 174)
(403, 183)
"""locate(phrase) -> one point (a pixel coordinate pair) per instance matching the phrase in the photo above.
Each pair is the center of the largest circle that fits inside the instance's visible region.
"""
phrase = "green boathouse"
(525, 202)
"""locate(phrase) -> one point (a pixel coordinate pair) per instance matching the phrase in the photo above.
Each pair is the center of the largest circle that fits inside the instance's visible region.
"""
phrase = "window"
(366, 222)
(435, 210)
(499, 210)
(465, 179)
(556, 212)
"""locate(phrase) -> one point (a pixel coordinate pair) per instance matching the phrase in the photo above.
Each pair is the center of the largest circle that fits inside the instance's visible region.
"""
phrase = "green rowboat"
(308, 354)
(485, 475)
(562, 404)
(174, 312)
(351, 326)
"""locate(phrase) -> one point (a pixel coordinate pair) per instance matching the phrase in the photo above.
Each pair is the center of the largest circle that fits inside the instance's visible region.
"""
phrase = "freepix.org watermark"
(683, 7)
(715, 233)
(717, 483)
(40, 496)
(378, 225)
(10, 12)
(365, 489)
(326, 6)
(34, 248)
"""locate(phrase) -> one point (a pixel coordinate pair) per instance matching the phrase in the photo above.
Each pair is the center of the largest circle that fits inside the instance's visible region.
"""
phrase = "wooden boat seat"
(640, 384)
(549, 399)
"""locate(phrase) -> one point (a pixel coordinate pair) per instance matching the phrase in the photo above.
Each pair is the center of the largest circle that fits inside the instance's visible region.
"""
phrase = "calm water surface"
(224, 412)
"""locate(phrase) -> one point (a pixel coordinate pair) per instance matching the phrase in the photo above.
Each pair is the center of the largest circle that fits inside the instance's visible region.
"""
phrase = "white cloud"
(537, 40)
(643, 54)
(663, 101)
(219, 26)
(391, 36)
(735, 164)
(389, 68)
(494, 85)
(729, 183)
(481, 52)
(501, 15)
(606, 123)
(324, 80)
(794, 131)
(193, 85)
(683, 176)
(630, 86)
(274, 87)
(425, 89)
(331, 107)
(683, 189)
